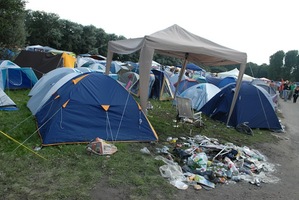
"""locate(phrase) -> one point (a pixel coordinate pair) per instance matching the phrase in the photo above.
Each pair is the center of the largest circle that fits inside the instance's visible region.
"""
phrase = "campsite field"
(68, 172)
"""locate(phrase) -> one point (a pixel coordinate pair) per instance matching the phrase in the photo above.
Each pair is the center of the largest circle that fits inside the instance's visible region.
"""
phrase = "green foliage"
(276, 66)
(12, 29)
(43, 28)
(88, 38)
(295, 73)
(166, 60)
(71, 36)
(256, 71)
(47, 29)
(290, 64)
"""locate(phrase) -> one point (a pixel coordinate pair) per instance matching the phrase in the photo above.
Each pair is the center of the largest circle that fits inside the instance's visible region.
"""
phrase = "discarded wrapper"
(100, 147)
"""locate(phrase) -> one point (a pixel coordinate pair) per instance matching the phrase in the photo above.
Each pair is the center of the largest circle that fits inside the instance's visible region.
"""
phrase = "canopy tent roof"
(176, 42)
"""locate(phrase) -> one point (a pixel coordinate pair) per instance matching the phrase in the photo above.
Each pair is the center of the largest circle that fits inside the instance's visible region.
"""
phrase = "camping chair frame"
(186, 114)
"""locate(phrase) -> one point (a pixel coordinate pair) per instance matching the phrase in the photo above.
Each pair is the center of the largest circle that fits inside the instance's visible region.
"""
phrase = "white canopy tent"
(176, 42)
(234, 73)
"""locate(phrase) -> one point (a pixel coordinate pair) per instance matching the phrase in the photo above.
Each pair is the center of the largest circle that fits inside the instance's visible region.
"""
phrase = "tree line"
(20, 27)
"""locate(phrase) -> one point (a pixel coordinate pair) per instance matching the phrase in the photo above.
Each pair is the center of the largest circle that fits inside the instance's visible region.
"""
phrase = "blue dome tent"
(92, 105)
(254, 105)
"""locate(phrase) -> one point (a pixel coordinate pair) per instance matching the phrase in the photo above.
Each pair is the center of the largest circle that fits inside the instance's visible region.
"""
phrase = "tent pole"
(238, 85)
(145, 64)
(181, 73)
(108, 62)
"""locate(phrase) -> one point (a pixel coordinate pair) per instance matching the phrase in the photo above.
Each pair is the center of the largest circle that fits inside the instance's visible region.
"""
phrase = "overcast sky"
(259, 28)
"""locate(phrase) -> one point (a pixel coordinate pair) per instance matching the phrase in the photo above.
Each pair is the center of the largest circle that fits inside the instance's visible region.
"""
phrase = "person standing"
(295, 95)
(286, 89)
(292, 89)
(280, 88)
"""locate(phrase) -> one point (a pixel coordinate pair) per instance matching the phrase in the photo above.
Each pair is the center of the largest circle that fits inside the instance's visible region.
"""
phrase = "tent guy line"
(11, 138)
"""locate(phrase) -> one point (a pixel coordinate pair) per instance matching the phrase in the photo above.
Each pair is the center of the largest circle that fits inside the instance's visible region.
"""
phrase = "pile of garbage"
(203, 162)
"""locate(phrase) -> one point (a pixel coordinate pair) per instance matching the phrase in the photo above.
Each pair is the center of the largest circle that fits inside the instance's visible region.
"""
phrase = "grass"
(68, 172)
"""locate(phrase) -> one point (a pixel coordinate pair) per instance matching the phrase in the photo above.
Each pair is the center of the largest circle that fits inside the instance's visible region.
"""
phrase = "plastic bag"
(171, 171)
(179, 184)
(198, 161)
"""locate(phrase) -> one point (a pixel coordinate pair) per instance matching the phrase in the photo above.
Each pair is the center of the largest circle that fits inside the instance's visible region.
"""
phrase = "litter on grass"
(204, 162)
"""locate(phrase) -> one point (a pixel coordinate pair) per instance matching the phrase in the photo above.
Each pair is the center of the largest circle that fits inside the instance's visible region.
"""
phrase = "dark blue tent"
(221, 82)
(253, 106)
(162, 88)
(192, 66)
(213, 80)
(92, 105)
(227, 80)
(14, 77)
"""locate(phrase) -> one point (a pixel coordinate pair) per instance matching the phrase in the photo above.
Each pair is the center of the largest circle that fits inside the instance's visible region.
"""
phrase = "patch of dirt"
(103, 191)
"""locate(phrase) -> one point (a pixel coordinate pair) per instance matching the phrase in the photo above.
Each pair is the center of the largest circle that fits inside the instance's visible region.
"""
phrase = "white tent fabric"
(50, 78)
(4, 65)
(49, 88)
(6, 102)
(175, 77)
(200, 94)
(176, 42)
(234, 73)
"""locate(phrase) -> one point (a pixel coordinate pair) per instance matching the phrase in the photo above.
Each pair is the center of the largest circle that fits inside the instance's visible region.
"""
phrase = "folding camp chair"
(186, 113)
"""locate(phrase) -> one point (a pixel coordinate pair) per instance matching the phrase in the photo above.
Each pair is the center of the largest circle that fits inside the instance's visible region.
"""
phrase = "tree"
(71, 35)
(295, 74)
(257, 71)
(43, 29)
(290, 63)
(12, 28)
(263, 71)
(251, 69)
(276, 66)
(101, 41)
(88, 40)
